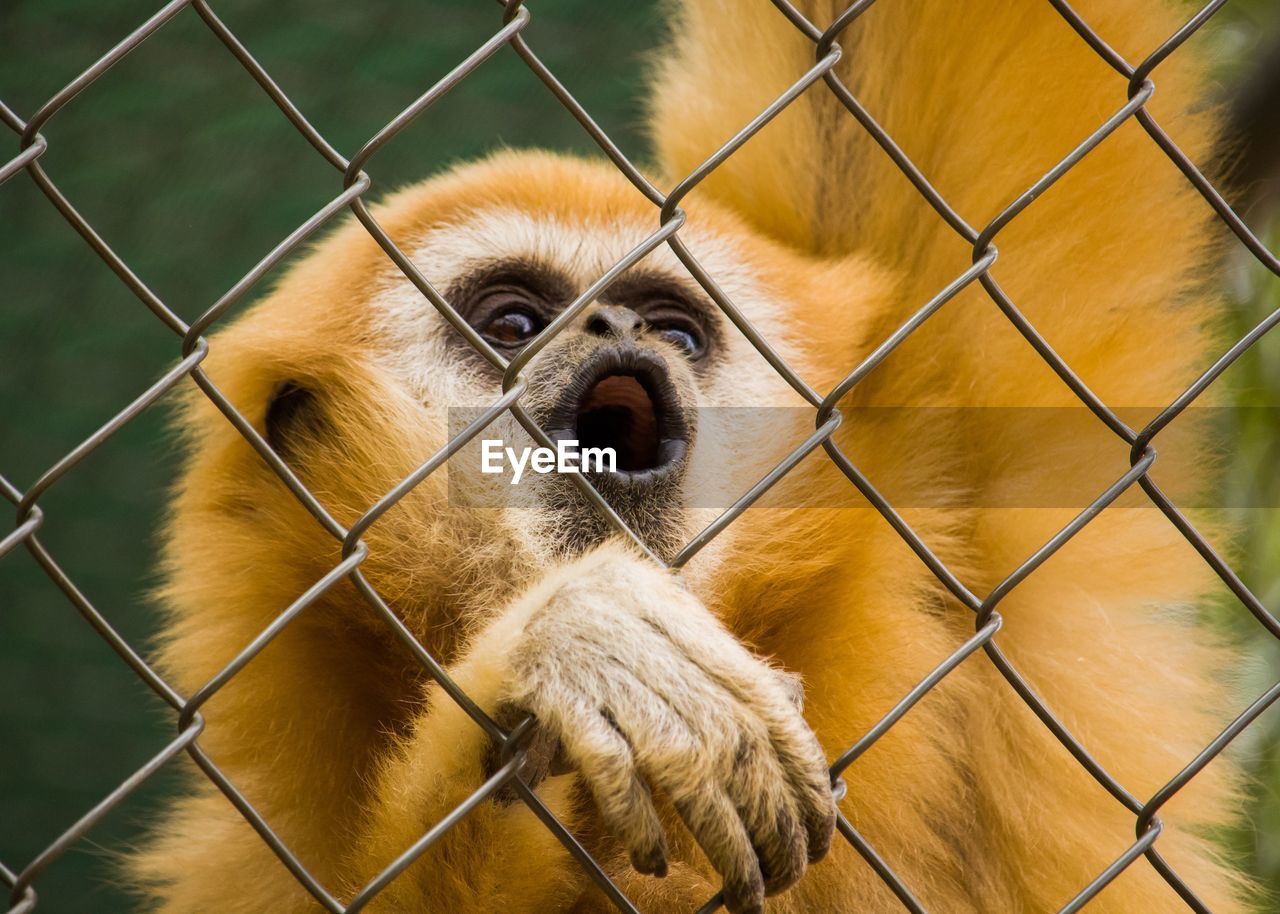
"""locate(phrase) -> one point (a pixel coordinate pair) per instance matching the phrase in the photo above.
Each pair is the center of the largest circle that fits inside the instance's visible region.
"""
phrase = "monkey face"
(621, 381)
(638, 370)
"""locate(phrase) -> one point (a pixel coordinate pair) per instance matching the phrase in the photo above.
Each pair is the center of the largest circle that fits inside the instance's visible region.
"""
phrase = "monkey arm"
(641, 687)
(496, 857)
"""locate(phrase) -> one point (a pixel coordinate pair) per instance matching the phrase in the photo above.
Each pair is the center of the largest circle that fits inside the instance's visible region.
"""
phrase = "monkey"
(683, 722)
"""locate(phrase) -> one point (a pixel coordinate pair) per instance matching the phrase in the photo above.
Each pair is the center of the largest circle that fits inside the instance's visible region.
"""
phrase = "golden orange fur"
(333, 732)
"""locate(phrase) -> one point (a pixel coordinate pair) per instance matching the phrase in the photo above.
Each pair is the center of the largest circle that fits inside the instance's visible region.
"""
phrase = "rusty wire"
(356, 182)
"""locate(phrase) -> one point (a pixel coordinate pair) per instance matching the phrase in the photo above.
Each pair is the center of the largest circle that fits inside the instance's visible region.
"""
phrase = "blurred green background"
(189, 171)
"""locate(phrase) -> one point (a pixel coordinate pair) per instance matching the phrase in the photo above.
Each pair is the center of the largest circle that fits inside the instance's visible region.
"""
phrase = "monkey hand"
(641, 685)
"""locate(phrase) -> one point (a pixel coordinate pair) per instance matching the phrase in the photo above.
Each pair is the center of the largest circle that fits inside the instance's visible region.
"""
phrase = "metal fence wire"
(511, 22)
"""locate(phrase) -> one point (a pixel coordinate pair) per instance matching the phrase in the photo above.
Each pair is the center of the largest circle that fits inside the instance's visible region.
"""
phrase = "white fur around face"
(734, 448)
(582, 252)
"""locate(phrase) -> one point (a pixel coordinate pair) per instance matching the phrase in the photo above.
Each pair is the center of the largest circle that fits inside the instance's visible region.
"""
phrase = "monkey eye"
(512, 327)
(508, 320)
(684, 338)
(680, 330)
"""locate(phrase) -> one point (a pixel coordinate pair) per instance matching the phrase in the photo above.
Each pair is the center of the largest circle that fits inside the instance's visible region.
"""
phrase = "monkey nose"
(614, 321)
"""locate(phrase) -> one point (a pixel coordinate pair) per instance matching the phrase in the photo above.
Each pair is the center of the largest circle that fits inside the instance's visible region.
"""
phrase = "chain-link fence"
(355, 180)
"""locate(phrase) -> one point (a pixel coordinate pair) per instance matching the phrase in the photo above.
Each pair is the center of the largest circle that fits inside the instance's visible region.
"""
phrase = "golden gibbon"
(675, 743)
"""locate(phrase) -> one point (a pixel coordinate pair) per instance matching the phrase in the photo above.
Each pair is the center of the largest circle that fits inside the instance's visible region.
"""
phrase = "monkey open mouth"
(624, 399)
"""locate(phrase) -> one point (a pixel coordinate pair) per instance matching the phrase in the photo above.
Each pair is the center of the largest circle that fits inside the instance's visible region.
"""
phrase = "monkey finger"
(775, 701)
(818, 816)
(714, 823)
(765, 803)
(811, 787)
(802, 759)
(539, 747)
(605, 760)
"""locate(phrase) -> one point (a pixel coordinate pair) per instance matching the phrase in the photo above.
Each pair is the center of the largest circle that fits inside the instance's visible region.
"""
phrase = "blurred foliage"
(1247, 33)
(1253, 485)
(191, 174)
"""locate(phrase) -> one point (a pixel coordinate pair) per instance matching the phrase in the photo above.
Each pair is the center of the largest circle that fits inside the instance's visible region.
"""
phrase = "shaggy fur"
(333, 734)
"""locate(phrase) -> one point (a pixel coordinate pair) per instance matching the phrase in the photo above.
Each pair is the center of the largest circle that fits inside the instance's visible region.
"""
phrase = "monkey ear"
(294, 416)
